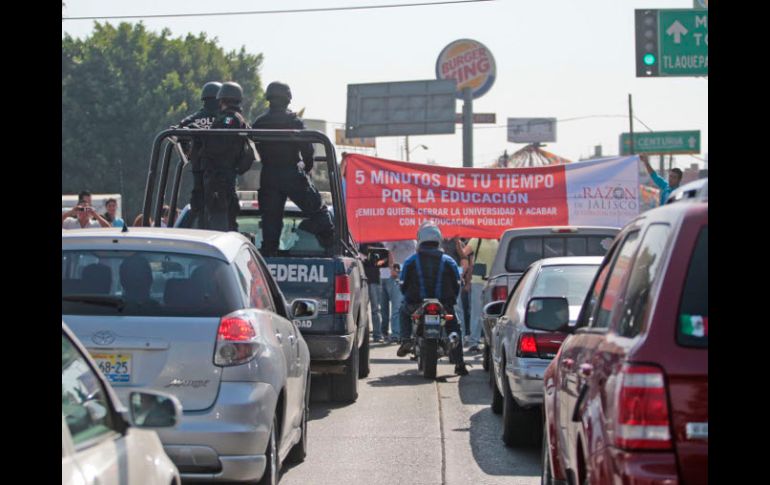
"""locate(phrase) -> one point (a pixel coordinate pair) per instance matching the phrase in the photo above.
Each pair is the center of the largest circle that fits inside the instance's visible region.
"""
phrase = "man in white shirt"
(83, 216)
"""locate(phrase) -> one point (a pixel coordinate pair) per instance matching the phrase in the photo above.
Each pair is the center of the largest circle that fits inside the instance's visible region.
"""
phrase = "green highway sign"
(661, 142)
(672, 42)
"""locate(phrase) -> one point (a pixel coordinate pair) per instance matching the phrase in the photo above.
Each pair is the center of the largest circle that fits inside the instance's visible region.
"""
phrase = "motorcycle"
(432, 340)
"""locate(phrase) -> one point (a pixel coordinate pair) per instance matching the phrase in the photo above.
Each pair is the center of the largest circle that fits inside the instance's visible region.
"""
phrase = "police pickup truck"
(338, 334)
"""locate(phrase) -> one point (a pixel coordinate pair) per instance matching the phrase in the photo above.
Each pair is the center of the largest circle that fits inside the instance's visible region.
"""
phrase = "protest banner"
(388, 200)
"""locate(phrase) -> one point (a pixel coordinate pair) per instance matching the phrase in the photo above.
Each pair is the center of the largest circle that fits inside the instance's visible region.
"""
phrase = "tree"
(121, 86)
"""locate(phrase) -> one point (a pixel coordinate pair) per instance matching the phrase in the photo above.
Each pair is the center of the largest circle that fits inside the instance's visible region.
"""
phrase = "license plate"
(432, 319)
(432, 332)
(117, 367)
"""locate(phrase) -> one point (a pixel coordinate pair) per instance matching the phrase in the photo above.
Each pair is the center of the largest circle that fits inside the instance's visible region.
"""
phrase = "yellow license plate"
(117, 367)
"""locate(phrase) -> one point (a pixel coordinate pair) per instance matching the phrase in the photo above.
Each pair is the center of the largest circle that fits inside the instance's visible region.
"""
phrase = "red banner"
(388, 200)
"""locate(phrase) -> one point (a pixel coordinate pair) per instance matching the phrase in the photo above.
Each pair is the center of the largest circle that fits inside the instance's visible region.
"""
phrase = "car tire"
(497, 397)
(517, 422)
(272, 467)
(363, 358)
(298, 452)
(345, 386)
(546, 476)
(485, 358)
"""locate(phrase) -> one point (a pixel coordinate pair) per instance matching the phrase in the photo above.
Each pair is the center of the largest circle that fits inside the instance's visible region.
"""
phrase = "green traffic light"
(649, 59)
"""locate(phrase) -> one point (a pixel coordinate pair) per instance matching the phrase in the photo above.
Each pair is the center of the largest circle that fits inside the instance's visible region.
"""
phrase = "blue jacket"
(420, 277)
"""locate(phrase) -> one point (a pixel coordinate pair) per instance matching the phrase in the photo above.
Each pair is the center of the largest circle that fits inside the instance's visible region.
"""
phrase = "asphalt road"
(407, 429)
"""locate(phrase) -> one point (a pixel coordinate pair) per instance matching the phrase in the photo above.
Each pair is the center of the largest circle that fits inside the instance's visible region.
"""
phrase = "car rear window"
(571, 282)
(523, 251)
(147, 283)
(294, 241)
(693, 325)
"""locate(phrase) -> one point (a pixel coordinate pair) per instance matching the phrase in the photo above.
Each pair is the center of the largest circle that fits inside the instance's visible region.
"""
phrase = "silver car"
(101, 441)
(196, 314)
(519, 354)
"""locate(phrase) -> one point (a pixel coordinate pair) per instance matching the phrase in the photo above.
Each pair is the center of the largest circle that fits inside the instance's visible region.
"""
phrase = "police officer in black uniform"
(201, 119)
(285, 174)
(220, 158)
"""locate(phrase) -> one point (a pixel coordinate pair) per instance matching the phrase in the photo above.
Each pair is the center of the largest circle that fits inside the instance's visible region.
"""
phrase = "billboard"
(531, 130)
(400, 108)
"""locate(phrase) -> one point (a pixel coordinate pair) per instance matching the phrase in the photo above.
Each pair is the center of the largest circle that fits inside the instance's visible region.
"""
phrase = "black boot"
(405, 348)
(461, 370)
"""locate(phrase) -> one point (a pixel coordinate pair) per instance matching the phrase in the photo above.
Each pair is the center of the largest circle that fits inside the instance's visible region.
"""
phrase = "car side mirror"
(548, 313)
(480, 269)
(152, 409)
(378, 257)
(494, 309)
(302, 309)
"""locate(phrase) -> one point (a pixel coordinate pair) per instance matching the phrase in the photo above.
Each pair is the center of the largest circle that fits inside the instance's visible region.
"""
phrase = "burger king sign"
(470, 64)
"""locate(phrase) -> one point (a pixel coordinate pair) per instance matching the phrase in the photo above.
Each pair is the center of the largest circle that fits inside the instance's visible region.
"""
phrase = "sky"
(555, 59)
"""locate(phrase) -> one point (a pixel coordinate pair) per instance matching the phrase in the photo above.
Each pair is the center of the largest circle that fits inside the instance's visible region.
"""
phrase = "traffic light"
(647, 56)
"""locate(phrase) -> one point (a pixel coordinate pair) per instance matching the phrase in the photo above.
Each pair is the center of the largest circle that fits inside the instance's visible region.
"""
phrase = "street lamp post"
(408, 151)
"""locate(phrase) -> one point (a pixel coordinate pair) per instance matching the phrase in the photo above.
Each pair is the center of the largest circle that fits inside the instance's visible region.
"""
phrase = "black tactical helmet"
(210, 90)
(230, 90)
(278, 89)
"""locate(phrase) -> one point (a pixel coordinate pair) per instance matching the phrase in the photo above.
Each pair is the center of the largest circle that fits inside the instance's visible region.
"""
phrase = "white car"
(103, 443)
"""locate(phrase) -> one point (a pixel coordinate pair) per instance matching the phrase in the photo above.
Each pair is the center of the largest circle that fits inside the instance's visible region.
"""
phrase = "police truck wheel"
(363, 358)
(429, 355)
(345, 386)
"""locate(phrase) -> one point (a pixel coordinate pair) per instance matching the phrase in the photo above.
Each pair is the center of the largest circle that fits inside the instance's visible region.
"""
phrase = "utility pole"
(467, 128)
(631, 124)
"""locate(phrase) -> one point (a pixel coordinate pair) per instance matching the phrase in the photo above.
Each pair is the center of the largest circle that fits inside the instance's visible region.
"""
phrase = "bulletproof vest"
(202, 119)
(281, 152)
(223, 152)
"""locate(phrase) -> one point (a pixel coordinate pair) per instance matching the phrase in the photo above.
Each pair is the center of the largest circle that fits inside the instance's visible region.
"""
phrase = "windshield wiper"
(93, 299)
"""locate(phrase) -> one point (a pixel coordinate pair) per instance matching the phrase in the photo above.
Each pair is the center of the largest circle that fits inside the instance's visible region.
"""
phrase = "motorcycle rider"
(430, 273)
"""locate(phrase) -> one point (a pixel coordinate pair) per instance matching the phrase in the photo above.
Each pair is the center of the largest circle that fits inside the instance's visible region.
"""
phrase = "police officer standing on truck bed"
(284, 175)
(220, 157)
(201, 119)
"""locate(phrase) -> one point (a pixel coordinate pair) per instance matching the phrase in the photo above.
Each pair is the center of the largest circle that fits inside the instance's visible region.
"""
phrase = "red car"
(626, 397)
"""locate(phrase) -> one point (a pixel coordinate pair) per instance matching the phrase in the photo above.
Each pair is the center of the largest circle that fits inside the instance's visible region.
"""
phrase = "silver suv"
(195, 314)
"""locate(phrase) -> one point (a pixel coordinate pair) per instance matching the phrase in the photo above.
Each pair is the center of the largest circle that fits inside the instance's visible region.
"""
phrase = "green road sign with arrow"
(683, 42)
(662, 142)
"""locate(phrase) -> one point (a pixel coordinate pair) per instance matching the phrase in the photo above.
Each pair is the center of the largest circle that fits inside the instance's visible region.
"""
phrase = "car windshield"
(129, 283)
(524, 251)
(571, 282)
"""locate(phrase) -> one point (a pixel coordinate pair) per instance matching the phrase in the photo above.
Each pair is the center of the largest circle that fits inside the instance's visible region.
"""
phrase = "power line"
(267, 12)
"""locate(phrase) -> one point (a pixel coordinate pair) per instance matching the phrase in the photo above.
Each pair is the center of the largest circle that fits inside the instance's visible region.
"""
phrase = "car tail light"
(642, 421)
(527, 346)
(237, 341)
(342, 293)
(432, 309)
(500, 293)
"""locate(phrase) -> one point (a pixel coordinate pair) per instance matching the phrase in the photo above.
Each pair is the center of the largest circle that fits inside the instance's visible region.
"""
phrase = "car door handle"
(292, 340)
(279, 336)
(567, 364)
(586, 370)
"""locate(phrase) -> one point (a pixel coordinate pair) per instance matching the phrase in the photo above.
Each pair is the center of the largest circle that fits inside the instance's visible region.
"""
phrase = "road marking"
(441, 429)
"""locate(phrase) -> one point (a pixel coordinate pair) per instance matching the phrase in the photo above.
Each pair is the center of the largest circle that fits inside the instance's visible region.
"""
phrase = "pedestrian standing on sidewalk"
(482, 251)
(391, 299)
(372, 271)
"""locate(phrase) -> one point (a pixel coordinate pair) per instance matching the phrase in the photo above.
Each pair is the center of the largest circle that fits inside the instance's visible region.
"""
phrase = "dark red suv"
(626, 397)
